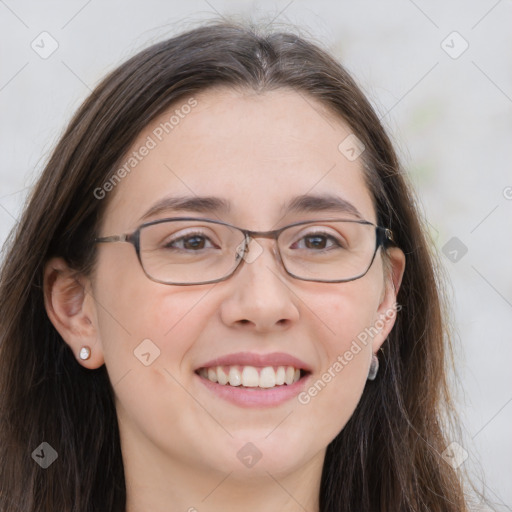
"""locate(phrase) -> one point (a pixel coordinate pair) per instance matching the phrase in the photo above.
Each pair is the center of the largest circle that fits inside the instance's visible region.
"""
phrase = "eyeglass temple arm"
(113, 238)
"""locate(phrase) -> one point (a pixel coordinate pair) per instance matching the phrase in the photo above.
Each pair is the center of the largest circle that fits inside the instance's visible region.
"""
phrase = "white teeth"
(280, 375)
(251, 376)
(267, 377)
(290, 374)
(235, 377)
(221, 376)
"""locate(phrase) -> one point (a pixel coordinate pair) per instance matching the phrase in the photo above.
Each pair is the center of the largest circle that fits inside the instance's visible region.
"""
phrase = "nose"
(260, 295)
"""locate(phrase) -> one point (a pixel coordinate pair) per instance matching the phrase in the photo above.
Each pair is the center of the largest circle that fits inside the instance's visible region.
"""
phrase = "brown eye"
(320, 241)
(192, 242)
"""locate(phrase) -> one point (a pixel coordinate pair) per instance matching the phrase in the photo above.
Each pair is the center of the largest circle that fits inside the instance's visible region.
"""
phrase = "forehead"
(257, 152)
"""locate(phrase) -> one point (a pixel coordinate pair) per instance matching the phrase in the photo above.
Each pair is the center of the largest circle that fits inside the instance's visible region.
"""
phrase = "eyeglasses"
(187, 251)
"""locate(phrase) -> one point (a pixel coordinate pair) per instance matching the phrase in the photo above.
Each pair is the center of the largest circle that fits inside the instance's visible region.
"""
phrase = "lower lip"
(256, 397)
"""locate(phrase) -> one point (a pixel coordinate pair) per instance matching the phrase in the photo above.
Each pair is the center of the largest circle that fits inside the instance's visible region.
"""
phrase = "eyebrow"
(319, 203)
(305, 203)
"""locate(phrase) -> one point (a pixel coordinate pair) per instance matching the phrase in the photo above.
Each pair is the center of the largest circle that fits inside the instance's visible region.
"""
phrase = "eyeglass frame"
(383, 237)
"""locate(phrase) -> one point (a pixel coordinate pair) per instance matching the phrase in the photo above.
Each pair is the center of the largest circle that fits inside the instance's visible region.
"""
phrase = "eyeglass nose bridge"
(249, 235)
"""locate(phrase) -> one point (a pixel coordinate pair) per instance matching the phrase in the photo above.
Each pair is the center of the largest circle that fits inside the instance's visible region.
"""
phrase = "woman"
(220, 295)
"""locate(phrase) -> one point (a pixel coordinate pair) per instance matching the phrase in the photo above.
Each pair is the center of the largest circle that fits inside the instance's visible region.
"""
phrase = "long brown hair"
(388, 456)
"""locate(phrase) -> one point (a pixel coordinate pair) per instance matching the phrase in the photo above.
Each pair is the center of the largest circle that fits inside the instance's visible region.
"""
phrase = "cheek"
(137, 315)
(347, 312)
(347, 316)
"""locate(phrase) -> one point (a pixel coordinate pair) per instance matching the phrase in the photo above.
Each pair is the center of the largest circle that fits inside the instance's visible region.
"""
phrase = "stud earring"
(85, 353)
(374, 368)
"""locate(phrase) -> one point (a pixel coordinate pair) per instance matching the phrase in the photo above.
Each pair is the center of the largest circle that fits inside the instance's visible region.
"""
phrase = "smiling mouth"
(245, 376)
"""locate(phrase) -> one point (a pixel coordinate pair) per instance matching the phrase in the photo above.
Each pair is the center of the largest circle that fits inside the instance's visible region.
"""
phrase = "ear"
(72, 310)
(394, 268)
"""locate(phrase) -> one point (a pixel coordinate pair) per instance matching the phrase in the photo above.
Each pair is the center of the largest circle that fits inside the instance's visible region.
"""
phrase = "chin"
(256, 453)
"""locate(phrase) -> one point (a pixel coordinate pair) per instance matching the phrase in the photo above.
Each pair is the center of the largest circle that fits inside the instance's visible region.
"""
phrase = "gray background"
(449, 112)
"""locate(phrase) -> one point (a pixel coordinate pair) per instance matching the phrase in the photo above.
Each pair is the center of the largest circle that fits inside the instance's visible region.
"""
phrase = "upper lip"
(259, 360)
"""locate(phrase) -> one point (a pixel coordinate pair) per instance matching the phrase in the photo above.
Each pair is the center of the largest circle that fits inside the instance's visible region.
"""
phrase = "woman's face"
(257, 153)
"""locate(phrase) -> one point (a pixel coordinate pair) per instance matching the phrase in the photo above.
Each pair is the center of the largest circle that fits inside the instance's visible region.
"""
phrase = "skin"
(179, 441)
